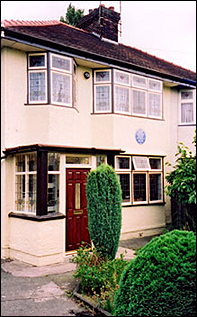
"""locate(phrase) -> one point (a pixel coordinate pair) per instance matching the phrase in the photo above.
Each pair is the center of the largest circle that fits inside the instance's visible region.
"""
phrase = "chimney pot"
(111, 8)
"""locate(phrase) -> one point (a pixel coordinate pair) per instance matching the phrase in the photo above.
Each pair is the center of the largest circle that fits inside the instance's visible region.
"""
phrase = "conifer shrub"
(161, 280)
(104, 200)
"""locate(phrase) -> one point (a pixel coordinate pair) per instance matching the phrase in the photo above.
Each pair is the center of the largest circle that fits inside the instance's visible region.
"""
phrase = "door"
(76, 208)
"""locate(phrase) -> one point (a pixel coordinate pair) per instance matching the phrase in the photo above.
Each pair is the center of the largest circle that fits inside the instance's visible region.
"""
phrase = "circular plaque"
(140, 136)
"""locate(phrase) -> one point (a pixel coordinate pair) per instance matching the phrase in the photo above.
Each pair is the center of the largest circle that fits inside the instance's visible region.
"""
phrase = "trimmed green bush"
(161, 280)
(104, 204)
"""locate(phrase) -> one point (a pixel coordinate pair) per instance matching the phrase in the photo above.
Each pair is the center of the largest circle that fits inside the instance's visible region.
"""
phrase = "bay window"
(121, 92)
(49, 79)
(141, 179)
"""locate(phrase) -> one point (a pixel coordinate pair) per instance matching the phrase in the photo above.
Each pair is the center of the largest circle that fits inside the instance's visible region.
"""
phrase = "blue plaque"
(140, 136)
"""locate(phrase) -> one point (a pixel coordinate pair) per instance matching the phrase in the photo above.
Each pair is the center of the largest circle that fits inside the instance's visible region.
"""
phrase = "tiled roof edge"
(7, 23)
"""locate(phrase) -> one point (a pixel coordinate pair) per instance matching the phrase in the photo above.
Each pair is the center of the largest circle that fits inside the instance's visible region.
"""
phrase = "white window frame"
(110, 101)
(158, 173)
(37, 54)
(140, 202)
(46, 87)
(122, 169)
(141, 168)
(124, 172)
(156, 81)
(137, 113)
(119, 111)
(74, 165)
(104, 81)
(122, 83)
(51, 89)
(151, 115)
(138, 86)
(26, 174)
(60, 69)
(155, 169)
(185, 101)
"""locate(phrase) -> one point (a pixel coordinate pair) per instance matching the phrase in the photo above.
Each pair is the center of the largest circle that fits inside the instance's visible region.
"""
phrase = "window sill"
(33, 217)
(144, 204)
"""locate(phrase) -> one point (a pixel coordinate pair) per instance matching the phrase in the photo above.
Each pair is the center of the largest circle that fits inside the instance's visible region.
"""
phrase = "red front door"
(76, 208)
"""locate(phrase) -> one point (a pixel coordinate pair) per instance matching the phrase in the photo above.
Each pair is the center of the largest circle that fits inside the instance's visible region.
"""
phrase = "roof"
(60, 35)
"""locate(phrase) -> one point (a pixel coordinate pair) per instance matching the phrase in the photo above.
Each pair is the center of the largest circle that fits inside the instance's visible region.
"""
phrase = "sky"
(166, 29)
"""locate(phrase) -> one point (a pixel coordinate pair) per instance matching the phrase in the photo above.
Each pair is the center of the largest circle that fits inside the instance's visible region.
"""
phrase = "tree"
(182, 183)
(72, 15)
(104, 203)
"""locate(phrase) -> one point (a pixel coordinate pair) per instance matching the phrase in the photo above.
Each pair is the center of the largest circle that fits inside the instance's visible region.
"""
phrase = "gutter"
(91, 57)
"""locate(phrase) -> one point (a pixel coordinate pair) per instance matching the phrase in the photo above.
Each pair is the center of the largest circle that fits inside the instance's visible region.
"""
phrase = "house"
(73, 98)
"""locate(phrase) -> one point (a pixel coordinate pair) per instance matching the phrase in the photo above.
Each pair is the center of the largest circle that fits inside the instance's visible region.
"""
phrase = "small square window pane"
(155, 187)
(102, 76)
(141, 163)
(154, 85)
(122, 78)
(102, 98)
(139, 182)
(187, 115)
(122, 163)
(185, 95)
(139, 81)
(155, 163)
(100, 159)
(37, 61)
(61, 88)
(121, 99)
(125, 186)
(37, 86)
(61, 63)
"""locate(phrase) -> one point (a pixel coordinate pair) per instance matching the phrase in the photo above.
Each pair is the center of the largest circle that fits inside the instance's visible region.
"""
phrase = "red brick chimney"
(102, 21)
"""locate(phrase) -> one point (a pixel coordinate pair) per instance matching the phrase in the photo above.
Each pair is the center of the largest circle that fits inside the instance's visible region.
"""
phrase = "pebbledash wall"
(43, 242)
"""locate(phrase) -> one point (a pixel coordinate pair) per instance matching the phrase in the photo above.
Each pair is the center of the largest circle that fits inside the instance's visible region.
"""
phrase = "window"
(141, 181)
(77, 160)
(124, 93)
(59, 85)
(25, 182)
(187, 107)
(53, 182)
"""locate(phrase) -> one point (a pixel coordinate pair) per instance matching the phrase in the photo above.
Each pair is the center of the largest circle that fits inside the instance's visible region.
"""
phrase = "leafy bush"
(104, 200)
(161, 280)
(99, 277)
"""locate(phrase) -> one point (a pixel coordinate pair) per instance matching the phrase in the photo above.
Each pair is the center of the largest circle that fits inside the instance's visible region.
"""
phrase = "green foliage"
(73, 16)
(161, 280)
(182, 180)
(99, 277)
(104, 203)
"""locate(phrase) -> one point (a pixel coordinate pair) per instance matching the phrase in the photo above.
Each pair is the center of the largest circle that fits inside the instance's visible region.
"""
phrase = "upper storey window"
(49, 79)
(121, 92)
(187, 107)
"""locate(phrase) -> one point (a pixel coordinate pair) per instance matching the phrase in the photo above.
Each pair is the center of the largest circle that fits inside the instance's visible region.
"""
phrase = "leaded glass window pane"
(37, 60)
(139, 102)
(102, 76)
(20, 192)
(125, 186)
(154, 105)
(32, 183)
(139, 81)
(154, 85)
(32, 162)
(155, 187)
(139, 182)
(155, 163)
(61, 63)
(102, 98)
(53, 161)
(121, 99)
(53, 193)
(84, 160)
(61, 88)
(37, 86)
(20, 163)
(100, 159)
(187, 115)
(122, 78)
(122, 163)
(185, 95)
(141, 163)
